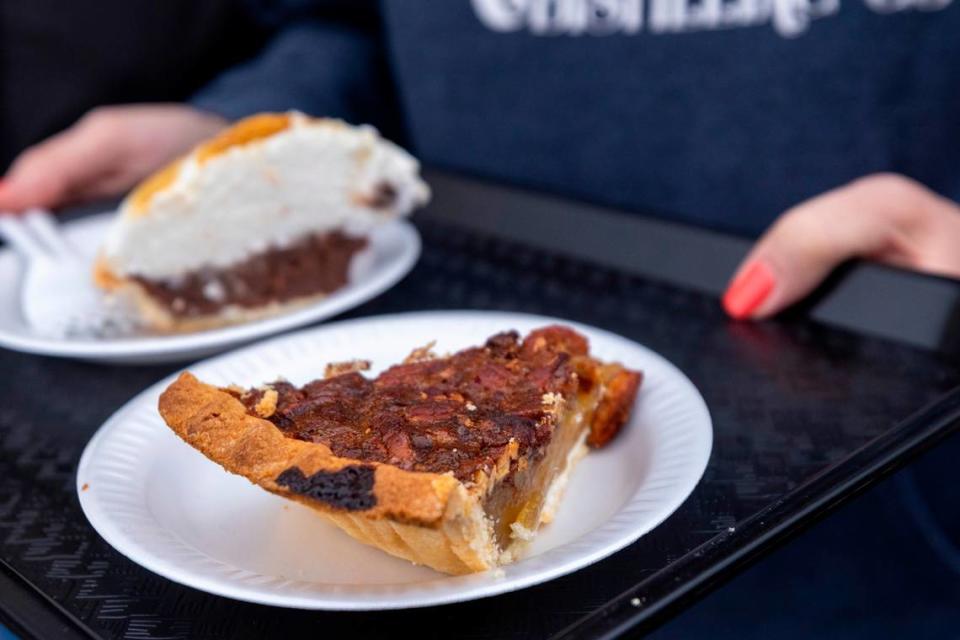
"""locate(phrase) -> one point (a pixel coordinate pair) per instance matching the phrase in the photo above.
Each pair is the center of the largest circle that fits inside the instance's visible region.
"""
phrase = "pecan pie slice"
(452, 462)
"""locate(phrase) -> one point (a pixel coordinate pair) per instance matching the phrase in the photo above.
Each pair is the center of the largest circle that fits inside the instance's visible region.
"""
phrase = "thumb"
(801, 249)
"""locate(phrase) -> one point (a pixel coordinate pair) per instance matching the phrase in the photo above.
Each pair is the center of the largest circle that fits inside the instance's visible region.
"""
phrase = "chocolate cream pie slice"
(265, 216)
(451, 462)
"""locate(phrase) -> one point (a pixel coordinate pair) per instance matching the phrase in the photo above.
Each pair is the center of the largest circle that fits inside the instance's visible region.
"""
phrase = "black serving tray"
(808, 411)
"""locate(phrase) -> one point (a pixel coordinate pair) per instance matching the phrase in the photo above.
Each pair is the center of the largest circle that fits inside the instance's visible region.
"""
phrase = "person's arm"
(884, 217)
(322, 68)
(323, 59)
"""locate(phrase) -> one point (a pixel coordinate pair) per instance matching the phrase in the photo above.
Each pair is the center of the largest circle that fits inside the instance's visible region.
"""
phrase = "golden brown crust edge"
(620, 386)
(104, 277)
(159, 319)
(426, 518)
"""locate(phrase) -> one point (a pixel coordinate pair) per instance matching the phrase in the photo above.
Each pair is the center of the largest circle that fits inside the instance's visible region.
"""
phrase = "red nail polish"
(748, 290)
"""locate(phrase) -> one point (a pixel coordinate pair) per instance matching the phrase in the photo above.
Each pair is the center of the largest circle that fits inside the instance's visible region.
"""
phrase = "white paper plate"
(394, 249)
(166, 507)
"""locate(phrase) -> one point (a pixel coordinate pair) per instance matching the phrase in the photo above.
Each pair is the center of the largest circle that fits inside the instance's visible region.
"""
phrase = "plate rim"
(224, 337)
(331, 602)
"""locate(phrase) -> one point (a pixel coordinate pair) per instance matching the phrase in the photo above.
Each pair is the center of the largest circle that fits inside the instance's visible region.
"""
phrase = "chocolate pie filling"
(317, 264)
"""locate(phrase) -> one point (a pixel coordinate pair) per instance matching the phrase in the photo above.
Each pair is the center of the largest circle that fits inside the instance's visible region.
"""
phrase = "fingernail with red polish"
(748, 291)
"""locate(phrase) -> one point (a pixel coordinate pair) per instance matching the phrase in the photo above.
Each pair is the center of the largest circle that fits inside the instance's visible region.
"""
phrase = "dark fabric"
(331, 69)
(725, 127)
(60, 58)
(326, 58)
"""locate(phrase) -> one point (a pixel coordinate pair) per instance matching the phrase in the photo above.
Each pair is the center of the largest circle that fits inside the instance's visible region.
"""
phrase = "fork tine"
(46, 229)
(17, 234)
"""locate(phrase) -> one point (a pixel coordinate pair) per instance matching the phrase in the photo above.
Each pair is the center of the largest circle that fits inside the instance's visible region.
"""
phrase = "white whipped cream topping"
(315, 176)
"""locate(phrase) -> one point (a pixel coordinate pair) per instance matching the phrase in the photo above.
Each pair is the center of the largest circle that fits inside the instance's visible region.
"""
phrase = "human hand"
(104, 154)
(884, 217)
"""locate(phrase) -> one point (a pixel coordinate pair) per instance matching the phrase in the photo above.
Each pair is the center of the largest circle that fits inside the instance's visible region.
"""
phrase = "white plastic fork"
(57, 296)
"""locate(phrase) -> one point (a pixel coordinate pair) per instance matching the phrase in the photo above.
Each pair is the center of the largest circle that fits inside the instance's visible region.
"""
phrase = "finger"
(930, 238)
(806, 244)
(27, 185)
(48, 174)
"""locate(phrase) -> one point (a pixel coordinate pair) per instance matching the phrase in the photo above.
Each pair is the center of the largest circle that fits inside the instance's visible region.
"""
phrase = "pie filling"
(502, 418)
(315, 265)
(515, 506)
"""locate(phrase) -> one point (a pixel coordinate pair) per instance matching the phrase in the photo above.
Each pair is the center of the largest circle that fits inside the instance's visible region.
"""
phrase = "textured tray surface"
(788, 401)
